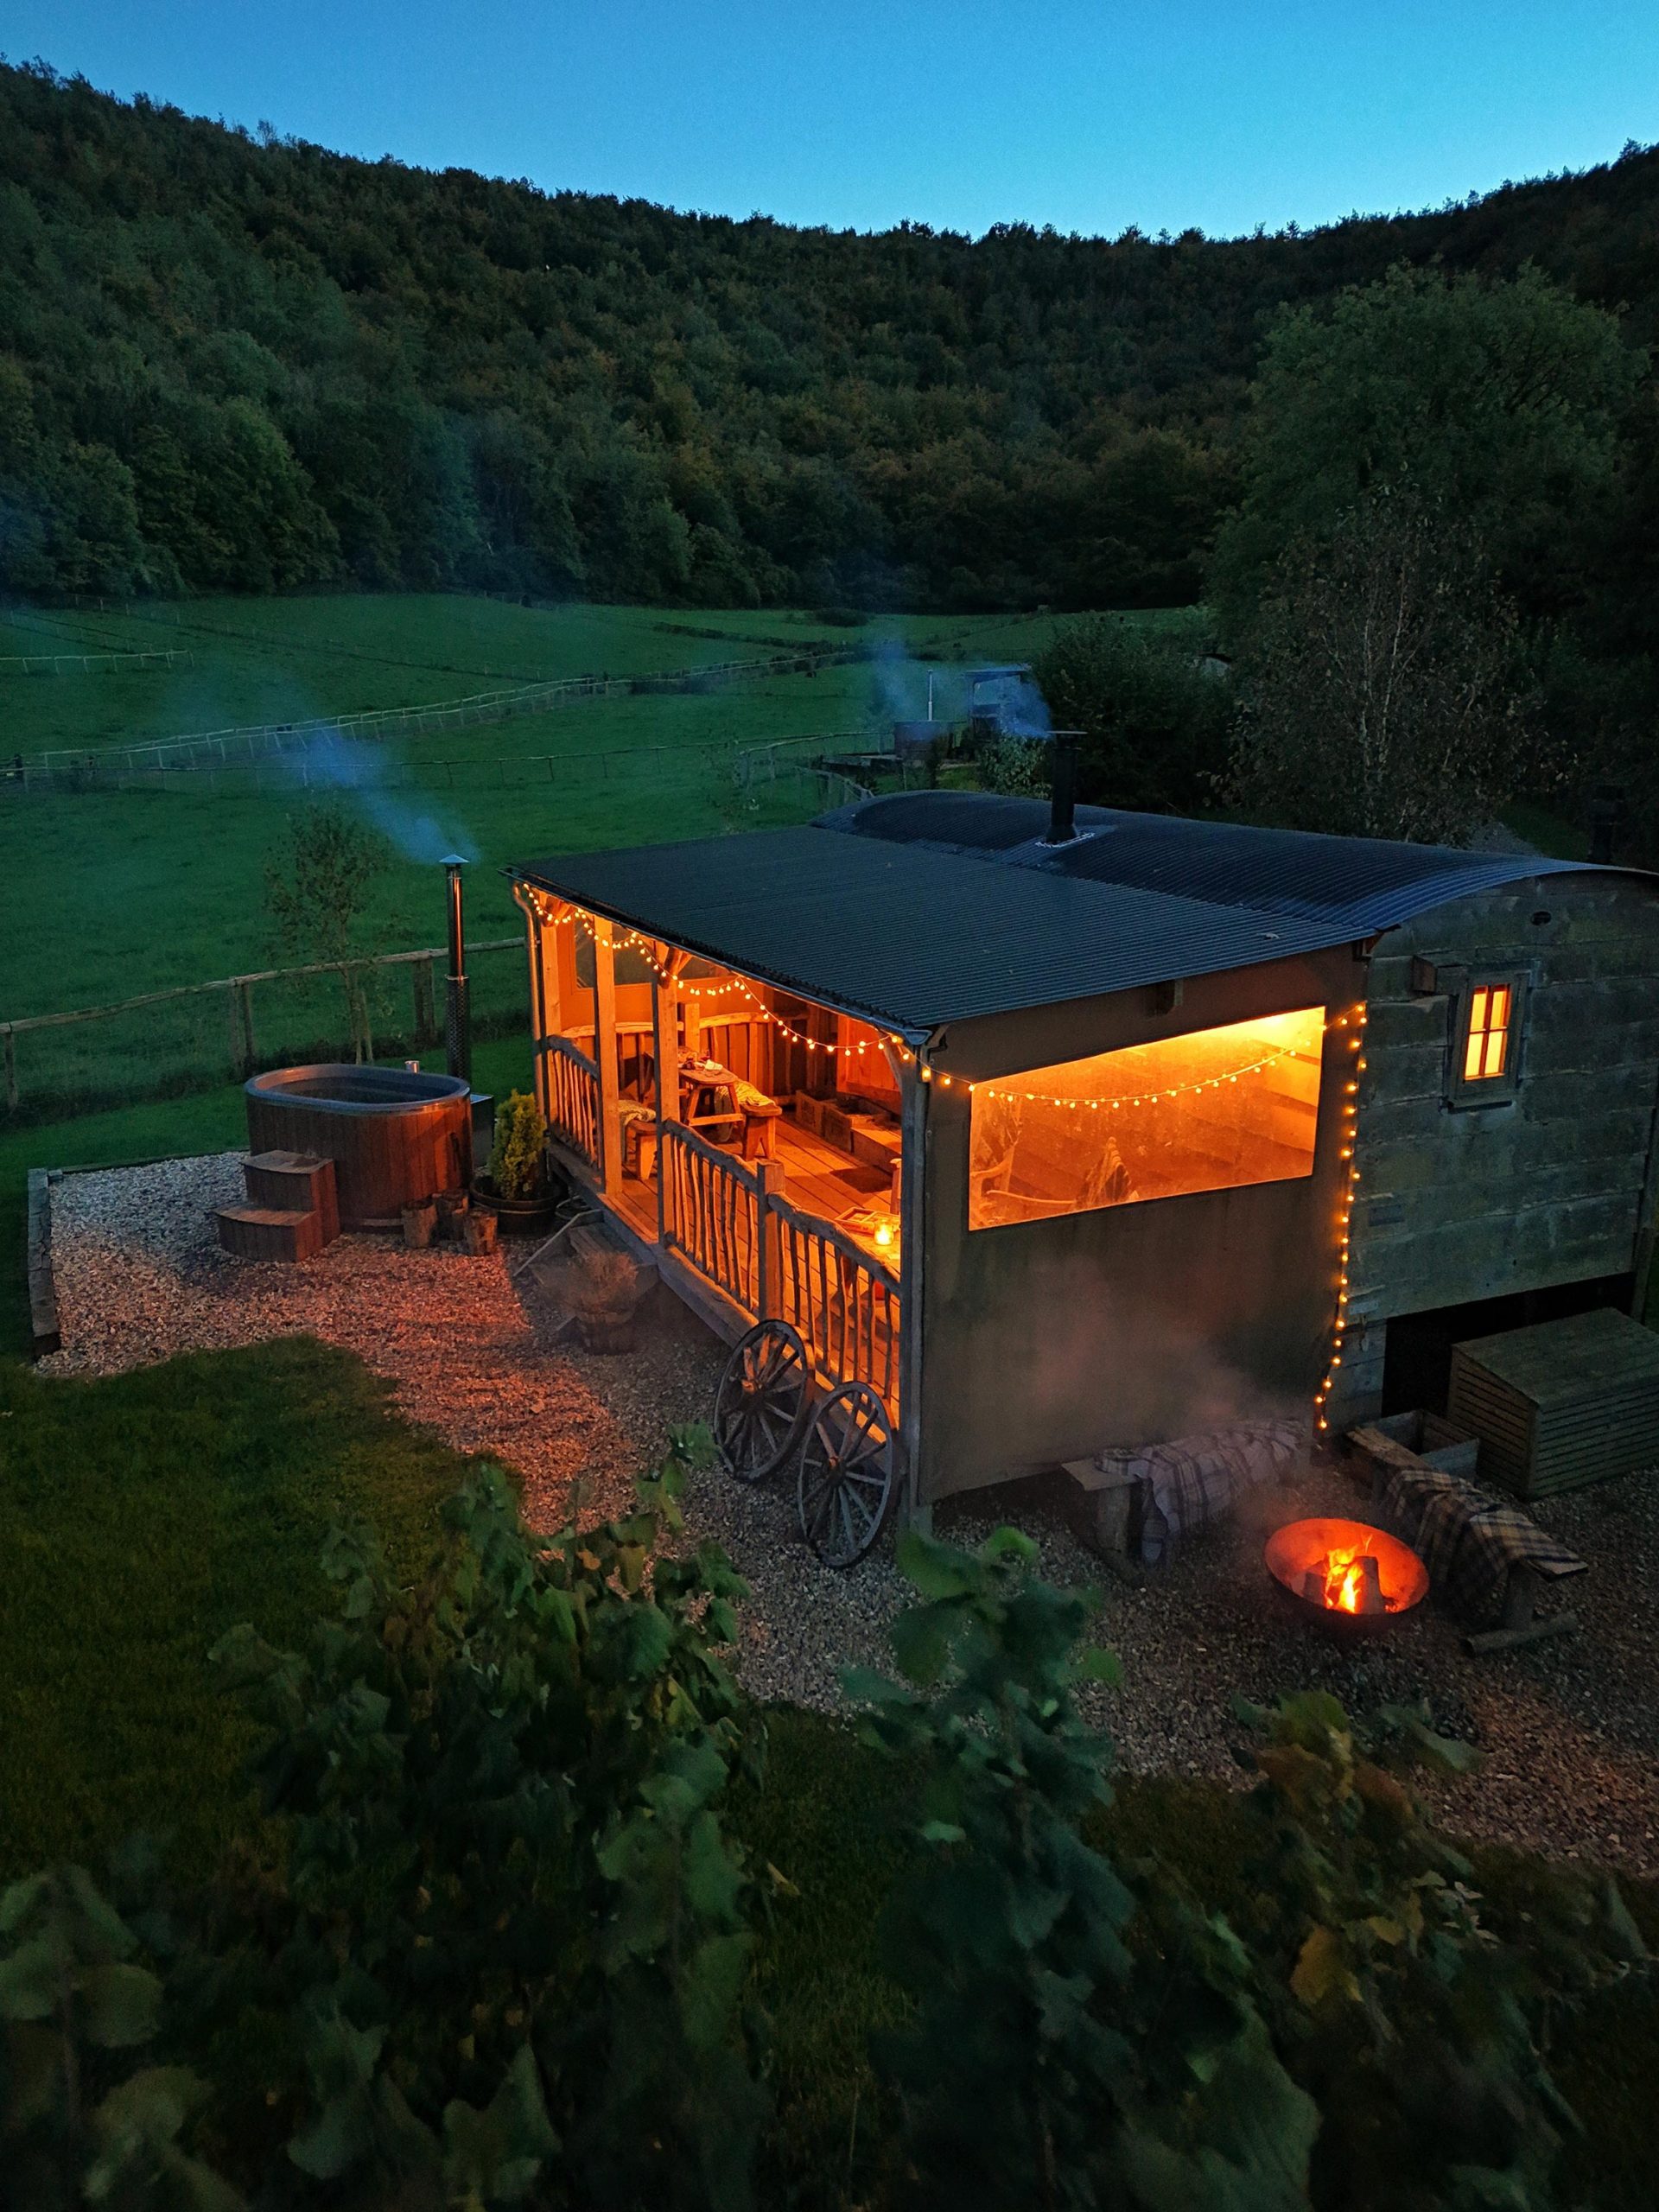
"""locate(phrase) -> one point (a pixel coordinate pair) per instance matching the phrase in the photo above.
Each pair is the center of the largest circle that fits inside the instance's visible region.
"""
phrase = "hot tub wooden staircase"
(292, 1209)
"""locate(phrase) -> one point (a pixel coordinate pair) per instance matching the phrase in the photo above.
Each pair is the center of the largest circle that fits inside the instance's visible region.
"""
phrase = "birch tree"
(1384, 690)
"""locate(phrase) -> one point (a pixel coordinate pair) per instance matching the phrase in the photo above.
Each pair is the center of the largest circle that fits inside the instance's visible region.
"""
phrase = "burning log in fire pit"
(1346, 1574)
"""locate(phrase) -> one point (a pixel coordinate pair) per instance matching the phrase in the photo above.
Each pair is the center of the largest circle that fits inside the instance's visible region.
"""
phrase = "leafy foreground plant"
(513, 1931)
(1418, 2031)
(1061, 2055)
(1083, 2035)
(80, 2122)
(506, 1951)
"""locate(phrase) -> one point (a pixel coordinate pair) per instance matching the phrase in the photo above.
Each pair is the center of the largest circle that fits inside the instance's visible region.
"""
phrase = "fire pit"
(1347, 1575)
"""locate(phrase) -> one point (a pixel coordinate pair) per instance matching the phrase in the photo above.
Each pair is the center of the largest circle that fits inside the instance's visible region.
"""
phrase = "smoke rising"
(1024, 710)
(333, 762)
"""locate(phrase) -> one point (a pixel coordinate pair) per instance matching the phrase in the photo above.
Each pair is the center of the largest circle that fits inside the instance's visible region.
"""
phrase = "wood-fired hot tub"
(395, 1136)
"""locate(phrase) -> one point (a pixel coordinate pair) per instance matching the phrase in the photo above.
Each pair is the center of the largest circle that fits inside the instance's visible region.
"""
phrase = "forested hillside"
(230, 364)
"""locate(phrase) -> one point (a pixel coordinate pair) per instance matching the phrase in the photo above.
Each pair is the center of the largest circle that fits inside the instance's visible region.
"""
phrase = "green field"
(259, 660)
(115, 893)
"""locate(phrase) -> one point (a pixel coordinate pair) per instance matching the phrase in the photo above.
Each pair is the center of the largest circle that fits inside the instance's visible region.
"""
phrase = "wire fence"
(165, 1042)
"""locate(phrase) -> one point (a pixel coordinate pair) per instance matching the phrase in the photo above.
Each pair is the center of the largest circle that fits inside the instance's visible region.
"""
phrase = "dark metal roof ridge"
(1437, 873)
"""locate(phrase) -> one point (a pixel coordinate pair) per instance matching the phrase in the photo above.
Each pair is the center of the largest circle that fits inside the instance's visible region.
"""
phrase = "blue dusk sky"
(1088, 116)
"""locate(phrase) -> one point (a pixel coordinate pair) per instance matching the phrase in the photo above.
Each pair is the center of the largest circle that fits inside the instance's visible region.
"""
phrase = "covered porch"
(747, 1140)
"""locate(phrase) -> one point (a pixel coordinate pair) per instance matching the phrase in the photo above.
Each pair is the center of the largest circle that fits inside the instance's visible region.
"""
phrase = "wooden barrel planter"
(396, 1138)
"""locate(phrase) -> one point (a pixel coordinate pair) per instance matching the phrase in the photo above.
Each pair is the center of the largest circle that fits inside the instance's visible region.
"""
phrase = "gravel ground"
(1570, 1728)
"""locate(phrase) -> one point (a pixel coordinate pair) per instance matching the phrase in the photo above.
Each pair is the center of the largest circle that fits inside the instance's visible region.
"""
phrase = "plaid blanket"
(1192, 1480)
(1470, 1540)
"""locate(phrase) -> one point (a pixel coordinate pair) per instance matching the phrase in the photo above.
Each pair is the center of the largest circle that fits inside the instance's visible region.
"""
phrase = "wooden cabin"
(1067, 1141)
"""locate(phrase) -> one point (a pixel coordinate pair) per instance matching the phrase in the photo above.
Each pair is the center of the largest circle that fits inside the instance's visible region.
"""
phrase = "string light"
(1349, 1147)
(697, 987)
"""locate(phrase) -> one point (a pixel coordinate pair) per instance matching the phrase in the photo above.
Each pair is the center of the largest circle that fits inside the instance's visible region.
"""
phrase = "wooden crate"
(1562, 1404)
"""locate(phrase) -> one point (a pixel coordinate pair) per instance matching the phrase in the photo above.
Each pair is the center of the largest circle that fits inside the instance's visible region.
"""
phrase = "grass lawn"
(142, 1516)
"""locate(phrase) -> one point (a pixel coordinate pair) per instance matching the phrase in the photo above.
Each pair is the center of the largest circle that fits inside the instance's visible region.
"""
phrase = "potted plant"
(516, 1187)
(605, 1297)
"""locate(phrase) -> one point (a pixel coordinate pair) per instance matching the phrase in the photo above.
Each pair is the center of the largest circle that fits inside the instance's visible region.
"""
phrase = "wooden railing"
(711, 1214)
(843, 1301)
(774, 1261)
(572, 1098)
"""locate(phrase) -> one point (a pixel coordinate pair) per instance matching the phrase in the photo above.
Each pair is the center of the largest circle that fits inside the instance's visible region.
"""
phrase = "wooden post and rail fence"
(79, 767)
(242, 1053)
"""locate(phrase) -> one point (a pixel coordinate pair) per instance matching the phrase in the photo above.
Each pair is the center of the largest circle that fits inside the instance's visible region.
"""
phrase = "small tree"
(1383, 689)
(519, 1157)
(1153, 718)
(317, 893)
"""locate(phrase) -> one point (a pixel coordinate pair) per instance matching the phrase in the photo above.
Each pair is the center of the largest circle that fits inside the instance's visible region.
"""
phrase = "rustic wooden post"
(657, 1033)
(541, 1076)
(770, 1177)
(913, 1231)
(610, 1119)
(242, 1005)
(11, 1070)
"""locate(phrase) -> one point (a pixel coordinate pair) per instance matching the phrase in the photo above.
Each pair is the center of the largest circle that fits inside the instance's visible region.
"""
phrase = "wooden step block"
(269, 1233)
(294, 1182)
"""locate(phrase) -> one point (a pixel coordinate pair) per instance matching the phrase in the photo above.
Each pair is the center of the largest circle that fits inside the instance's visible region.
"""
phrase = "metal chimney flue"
(457, 1011)
(1063, 788)
(1606, 819)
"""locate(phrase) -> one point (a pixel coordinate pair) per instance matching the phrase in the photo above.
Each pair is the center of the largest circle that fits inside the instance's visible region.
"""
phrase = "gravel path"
(1570, 1728)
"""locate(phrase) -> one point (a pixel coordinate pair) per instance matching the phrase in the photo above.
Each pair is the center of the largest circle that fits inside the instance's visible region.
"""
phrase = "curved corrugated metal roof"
(938, 907)
(1356, 885)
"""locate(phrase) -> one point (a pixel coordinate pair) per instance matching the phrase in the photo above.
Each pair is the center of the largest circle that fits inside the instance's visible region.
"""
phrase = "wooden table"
(703, 1085)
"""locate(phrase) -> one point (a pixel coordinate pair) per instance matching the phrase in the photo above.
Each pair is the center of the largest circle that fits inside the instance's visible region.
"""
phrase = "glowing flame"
(1345, 1581)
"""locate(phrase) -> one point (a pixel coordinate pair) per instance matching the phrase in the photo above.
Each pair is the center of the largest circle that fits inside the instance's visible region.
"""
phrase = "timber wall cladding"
(1468, 1202)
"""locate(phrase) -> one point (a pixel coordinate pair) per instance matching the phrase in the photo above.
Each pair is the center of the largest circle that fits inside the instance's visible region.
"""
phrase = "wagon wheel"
(845, 1482)
(760, 1403)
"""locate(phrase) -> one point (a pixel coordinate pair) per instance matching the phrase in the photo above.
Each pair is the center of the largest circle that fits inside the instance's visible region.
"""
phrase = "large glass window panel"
(1207, 1111)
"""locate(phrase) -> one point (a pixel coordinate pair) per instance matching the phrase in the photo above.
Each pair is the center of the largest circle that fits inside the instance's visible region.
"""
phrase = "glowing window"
(1206, 1112)
(1486, 1045)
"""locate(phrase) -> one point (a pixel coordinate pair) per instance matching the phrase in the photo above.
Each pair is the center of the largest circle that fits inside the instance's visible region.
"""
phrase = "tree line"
(231, 362)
